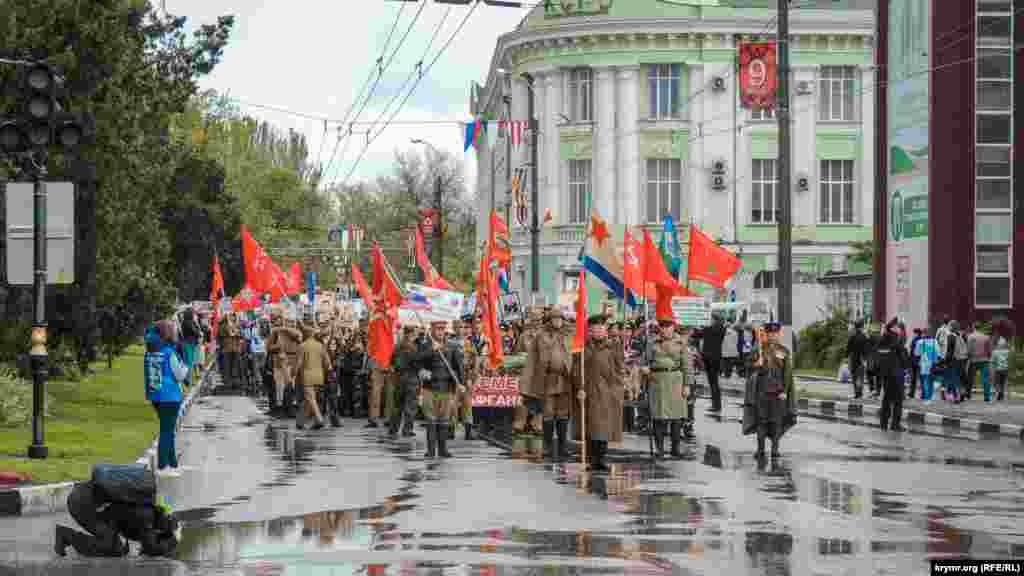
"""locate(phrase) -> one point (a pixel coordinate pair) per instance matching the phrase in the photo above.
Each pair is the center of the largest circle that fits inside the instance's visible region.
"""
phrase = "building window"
(993, 169)
(764, 202)
(581, 95)
(663, 90)
(762, 114)
(836, 192)
(664, 188)
(835, 100)
(571, 281)
(579, 190)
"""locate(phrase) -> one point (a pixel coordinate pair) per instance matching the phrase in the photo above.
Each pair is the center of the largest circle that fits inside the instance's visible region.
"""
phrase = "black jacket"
(440, 378)
(892, 360)
(857, 349)
(712, 342)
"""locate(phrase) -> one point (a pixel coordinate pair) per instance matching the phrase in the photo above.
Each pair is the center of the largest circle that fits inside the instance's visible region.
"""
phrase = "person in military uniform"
(550, 366)
(231, 332)
(471, 369)
(283, 347)
(441, 371)
(769, 400)
(667, 375)
(407, 366)
(354, 364)
(602, 391)
(527, 417)
(311, 373)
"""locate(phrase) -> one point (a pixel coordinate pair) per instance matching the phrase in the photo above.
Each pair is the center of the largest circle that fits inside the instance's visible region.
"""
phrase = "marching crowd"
(630, 376)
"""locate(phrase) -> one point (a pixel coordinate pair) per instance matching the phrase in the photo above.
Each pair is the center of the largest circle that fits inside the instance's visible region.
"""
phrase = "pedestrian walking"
(603, 370)
(856, 350)
(915, 362)
(441, 372)
(711, 351)
(168, 397)
(231, 343)
(948, 339)
(927, 353)
(892, 366)
(311, 375)
(550, 366)
(1001, 366)
(769, 400)
(667, 384)
(283, 347)
(190, 336)
(979, 350)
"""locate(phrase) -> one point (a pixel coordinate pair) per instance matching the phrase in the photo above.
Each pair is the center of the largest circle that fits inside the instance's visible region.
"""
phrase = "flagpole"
(583, 407)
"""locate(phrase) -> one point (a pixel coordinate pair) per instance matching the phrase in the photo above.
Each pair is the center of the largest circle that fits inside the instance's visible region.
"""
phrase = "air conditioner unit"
(803, 183)
(804, 87)
(718, 167)
(718, 182)
(718, 84)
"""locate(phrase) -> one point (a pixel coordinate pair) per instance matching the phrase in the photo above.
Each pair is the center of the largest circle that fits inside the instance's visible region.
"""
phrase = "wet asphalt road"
(262, 498)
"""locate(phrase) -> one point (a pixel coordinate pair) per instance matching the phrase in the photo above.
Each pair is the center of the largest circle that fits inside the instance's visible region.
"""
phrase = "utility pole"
(785, 268)
(534, 217)
(508, 157)
(438, 201)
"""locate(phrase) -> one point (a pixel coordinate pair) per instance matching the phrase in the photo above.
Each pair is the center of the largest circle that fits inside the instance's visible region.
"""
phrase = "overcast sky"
(313, 56)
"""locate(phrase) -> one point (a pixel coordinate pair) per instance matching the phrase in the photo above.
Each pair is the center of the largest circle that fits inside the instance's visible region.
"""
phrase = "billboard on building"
(906, 290)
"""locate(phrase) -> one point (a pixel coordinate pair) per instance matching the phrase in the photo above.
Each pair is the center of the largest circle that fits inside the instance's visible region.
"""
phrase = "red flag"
(708, 262)
(654, 268)
(384, 285)
(498, 248)
(632, 265)
(663, 303)
(258, 271)
(487, 300)
(293, 280)
(581, 315)
(247, 299)
(361, 286)
(431, 277)
(217, 290)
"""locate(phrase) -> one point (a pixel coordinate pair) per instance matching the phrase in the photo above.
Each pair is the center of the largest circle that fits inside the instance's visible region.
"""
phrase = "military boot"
(760, 446)
(469, 430)
(677, 438)
(659, 438)
(442, 439)
(431, 439)
(549, 438)
(688, 429)
(562, 427)
(597, 451)
(775, 447)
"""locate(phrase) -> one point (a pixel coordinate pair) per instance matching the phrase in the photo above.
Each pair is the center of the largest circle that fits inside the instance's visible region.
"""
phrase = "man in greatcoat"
(231, 331)
(769, 401)
(667, 374)
(528, 416)
(283, 347)
(550, 366)
(602, 389)
(408, 368)
(311, 374)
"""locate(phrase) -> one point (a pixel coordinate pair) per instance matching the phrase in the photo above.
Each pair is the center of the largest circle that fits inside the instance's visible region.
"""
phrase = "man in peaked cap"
(668, 377)
(550, 366)
(769, 402)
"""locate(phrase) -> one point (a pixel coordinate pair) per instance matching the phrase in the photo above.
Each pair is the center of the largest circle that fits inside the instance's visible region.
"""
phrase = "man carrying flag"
(549, 364)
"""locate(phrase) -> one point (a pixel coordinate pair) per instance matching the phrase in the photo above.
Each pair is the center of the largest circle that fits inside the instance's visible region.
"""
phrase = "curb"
(860, 410)
(53, 498)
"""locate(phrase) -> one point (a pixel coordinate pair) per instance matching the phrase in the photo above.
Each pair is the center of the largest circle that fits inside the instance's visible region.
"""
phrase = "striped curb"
(53, 498)
(860, 410)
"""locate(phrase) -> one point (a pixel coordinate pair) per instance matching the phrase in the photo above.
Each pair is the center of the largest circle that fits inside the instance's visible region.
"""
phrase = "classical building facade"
(639, 115)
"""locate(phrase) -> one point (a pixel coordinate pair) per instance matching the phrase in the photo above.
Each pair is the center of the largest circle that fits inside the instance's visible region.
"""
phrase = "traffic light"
(12, 139)
(42, 123)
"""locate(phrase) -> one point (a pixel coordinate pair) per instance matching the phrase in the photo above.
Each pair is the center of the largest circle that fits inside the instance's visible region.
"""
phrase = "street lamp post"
(534, 218)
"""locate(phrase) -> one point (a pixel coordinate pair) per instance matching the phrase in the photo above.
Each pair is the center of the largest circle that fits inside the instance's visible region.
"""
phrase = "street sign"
(60, 233)
(692, 311)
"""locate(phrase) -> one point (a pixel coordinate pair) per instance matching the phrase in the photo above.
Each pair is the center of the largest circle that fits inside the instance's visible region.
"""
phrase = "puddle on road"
(809, 513)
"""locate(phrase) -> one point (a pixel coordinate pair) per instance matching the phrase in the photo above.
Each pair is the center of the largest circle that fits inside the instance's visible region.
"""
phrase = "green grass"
(819, 372)
(103, 418)
(816, 395)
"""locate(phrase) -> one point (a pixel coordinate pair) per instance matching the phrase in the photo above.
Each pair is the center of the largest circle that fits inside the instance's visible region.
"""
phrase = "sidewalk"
(52, 498)
(828, 397)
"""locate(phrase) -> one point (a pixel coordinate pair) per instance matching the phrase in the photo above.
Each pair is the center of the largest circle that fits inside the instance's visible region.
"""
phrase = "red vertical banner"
(758, 80)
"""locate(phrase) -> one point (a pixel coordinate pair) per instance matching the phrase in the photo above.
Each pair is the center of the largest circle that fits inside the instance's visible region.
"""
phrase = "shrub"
(16, 399)
(823, 343)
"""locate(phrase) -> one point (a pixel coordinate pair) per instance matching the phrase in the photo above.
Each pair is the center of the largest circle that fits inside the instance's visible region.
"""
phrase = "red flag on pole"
(430, 274)
(709, 262)
(581, 314)
(217, 290)
(361, 286)
(258, 266)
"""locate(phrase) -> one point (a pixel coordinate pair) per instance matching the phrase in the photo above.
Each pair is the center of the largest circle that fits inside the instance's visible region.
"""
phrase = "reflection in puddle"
(715, 511)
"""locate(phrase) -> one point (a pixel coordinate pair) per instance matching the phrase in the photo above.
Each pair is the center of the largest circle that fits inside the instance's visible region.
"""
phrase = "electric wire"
(423, 72)
(366, 84)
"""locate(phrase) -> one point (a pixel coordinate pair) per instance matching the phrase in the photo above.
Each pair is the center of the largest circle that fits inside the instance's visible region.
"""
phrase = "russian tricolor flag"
(603, 262)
